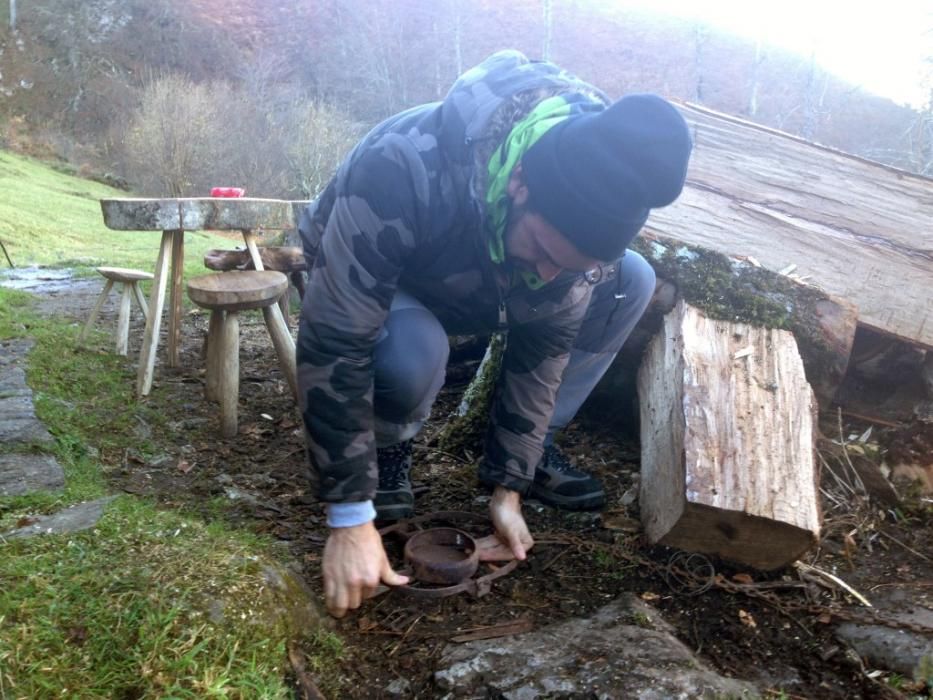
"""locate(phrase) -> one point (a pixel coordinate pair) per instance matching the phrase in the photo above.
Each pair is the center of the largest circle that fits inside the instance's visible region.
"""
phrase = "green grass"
(129, 609)
(84, 397)
(53, 219)
(122, 612)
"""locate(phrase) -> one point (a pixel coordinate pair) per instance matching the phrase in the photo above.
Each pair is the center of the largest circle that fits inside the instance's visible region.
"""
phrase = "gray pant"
(410, 357)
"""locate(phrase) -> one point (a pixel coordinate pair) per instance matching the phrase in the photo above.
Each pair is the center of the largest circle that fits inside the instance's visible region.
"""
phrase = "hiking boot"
(558, 483)
(394, 498)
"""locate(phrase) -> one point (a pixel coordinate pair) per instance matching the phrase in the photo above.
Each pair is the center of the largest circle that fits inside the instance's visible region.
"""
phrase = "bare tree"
(816, 85)
(12, 15)
(700, 37)
(548, 27)
(458, 35)
(176, 138)
(756, 78)
(919, 137)
(319, 136)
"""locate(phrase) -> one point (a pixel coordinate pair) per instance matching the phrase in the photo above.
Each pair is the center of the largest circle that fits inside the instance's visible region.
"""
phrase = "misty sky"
(881, 46)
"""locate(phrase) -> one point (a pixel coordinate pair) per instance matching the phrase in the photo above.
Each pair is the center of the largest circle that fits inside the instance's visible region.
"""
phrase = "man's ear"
(517, 189)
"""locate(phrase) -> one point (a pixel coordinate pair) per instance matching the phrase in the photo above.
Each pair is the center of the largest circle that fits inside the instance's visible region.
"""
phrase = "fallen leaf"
(825, 618)
(746, 619)
(743, 578)
(648, 596)
(266, 416)
(184, 466)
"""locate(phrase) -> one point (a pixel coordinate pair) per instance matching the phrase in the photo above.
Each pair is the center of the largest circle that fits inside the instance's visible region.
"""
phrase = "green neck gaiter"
(523, 136)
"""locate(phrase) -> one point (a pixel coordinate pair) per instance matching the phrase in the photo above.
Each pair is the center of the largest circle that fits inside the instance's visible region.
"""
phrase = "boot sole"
(588, 502)
(394, 511)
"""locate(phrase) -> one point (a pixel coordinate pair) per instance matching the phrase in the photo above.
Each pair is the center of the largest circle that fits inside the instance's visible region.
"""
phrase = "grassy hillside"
(53, 219)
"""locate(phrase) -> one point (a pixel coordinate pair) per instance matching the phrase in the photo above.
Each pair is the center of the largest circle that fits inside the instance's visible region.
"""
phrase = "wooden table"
(173, 217)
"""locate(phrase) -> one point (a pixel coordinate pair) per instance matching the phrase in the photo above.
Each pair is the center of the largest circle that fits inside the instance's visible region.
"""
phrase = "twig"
(308, 687)
(909, 549)
(837, 503)
(845, 452)
(458, 458)
(906, 584)
(504, 629)
(872, 419)
(7, 255)
(555, 558)
(839, 480)
(404, 636)
(807, 568)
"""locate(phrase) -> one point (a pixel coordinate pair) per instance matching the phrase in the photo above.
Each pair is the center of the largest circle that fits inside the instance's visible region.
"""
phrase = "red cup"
(227, 191)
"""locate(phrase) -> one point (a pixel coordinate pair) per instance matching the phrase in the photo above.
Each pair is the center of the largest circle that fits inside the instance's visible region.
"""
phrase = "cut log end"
(758, 542)
(727, 431)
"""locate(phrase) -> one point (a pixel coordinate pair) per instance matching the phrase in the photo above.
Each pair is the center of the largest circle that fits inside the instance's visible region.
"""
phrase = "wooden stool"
(225, 294)
(287, 259)
(130, 281)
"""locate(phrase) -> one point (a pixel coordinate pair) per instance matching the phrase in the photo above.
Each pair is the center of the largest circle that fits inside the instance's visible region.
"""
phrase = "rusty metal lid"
(443, 555)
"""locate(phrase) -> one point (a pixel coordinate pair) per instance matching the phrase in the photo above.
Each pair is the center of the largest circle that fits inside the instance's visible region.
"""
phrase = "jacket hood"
(465, 113)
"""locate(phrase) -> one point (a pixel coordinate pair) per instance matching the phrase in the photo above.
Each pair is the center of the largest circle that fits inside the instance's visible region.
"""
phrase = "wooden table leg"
(122, 333)
(284, 345)
(140, 299)
(177, 298)
(147, 353)
(250, 238)
(275, 322)
(215, 350)
(102, 297)
(229, 384)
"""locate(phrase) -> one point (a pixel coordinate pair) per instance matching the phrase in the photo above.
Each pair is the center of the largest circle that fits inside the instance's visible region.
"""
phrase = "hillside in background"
(73, 69)
(50, 217)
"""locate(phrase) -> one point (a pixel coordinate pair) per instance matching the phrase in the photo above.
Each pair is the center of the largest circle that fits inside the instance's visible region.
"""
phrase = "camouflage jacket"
(406, 210)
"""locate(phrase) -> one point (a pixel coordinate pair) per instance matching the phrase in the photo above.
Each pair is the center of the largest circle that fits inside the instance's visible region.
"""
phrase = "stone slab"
(25, 473)
(895, 649)
(18, 421)
(74, 519)
(624, 650)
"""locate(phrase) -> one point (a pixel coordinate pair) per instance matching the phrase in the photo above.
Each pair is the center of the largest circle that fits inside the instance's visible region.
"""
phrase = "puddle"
(37, 279)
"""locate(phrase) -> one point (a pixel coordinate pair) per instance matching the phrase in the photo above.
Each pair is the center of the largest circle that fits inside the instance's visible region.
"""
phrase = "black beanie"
(594, 177)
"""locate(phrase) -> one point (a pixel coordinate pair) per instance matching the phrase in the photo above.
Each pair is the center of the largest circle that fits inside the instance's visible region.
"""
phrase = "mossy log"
(737, 290)
(466, 428)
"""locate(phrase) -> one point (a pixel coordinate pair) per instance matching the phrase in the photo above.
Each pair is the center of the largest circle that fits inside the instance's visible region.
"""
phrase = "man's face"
(533, 245)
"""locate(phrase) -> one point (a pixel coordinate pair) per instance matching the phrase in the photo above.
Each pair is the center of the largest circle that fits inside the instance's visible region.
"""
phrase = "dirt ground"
(773, 631)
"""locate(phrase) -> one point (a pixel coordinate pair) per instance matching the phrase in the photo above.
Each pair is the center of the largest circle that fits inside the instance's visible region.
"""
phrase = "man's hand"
(505, 509)
(355, 563)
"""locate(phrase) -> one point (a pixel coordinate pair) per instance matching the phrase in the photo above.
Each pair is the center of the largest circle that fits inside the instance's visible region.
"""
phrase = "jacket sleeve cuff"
(350, 514)
(492, 475)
